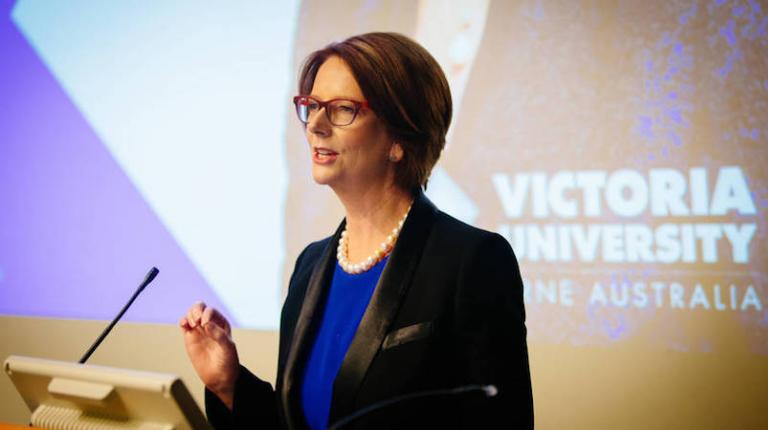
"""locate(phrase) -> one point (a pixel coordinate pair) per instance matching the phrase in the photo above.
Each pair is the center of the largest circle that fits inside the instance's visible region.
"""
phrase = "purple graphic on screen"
(76, 237)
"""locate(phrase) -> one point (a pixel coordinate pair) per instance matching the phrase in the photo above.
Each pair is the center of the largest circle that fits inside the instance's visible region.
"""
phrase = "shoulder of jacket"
(468, 241)
(447, 224)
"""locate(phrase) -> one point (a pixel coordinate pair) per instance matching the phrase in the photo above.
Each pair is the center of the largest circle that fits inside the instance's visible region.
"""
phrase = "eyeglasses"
(339, 112)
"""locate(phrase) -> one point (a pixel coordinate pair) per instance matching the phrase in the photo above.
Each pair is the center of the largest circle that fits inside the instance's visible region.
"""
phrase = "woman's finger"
(207, 315)
(212, 314)
(194, 313)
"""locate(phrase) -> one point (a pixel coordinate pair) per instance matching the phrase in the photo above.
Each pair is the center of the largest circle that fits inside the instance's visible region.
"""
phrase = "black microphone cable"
(488, 390)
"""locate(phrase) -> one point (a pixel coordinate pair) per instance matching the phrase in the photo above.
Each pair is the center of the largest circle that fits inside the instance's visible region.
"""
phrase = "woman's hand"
(208, 339)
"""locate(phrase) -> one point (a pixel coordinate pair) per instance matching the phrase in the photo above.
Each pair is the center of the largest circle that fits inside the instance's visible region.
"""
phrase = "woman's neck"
(371, 217)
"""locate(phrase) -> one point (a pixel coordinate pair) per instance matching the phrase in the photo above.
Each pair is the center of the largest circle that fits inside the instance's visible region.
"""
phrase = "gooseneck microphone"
(150, 276)
(488, 390)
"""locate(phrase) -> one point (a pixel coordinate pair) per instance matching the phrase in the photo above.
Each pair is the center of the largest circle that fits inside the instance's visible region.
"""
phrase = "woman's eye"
(346, 108)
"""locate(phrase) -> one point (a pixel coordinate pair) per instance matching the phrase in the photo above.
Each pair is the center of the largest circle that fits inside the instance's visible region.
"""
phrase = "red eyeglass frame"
(358, 106)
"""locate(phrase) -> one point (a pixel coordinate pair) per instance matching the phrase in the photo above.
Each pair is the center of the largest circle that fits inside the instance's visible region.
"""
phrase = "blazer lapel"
(383, 307)
(303, 334)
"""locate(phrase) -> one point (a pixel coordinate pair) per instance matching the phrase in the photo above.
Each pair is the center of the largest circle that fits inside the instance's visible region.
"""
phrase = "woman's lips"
(323, 156)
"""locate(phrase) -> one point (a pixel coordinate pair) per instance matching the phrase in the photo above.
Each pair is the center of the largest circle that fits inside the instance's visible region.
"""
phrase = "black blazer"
(447, 311)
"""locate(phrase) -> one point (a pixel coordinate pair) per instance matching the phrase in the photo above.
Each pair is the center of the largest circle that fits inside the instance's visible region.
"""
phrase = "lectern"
(64, 395)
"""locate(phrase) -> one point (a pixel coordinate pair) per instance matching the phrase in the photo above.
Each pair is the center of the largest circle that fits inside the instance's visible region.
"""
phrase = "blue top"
(346, 304)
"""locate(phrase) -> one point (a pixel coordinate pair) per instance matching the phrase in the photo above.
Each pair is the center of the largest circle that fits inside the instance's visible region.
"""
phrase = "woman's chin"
(322, 178)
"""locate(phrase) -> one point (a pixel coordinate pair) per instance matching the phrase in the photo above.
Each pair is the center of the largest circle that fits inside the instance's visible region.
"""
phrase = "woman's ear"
(395, 152)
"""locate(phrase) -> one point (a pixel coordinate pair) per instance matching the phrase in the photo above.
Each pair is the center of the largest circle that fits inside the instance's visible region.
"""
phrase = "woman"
(402, 298)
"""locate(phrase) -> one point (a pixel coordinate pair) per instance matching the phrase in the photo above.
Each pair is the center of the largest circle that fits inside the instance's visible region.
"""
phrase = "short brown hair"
(404, 86)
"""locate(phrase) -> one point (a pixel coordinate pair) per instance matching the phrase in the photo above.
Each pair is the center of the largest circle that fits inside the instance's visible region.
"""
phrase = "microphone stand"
(150, 276)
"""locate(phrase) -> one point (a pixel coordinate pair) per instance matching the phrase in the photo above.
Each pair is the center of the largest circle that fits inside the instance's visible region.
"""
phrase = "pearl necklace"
(342, 251)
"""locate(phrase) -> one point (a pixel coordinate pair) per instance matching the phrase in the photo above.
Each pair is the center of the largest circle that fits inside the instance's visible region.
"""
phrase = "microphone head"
(150, 276)
(490, 390)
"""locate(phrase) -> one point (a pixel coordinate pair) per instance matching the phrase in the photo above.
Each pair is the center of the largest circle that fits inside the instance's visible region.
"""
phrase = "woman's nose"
(318, 123)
